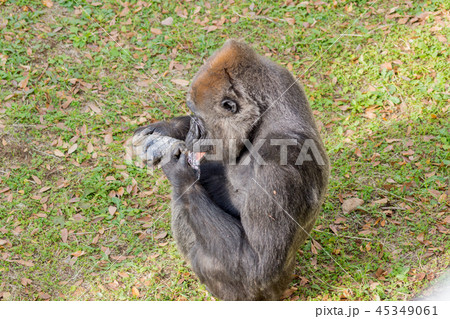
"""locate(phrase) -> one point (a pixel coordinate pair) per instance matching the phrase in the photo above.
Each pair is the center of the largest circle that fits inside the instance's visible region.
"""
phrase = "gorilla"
(241, 212)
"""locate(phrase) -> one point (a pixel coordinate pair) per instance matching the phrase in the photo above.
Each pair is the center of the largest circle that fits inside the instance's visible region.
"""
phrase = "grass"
(77, 222)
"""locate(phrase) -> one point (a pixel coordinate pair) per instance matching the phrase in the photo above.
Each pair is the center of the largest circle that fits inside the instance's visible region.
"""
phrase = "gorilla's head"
(222, 94)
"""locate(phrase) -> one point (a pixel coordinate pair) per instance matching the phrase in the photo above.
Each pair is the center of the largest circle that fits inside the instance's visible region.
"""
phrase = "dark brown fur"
(240, 226)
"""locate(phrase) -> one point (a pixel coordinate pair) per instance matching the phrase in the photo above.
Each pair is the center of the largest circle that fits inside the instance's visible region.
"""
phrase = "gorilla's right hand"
(151, 142)
(151, 149)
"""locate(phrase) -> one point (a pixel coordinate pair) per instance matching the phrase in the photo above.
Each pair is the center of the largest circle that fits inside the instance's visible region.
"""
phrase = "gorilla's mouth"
(196, 132)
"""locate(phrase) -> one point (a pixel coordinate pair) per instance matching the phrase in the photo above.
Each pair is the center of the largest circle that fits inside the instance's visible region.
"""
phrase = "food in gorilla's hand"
(153, 148)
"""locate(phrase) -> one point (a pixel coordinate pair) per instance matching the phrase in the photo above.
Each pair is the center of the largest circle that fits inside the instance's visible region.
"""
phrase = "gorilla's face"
(221, 103)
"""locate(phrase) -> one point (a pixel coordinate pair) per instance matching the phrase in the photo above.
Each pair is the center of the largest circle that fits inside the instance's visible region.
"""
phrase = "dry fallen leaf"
(351, 204)
(161, 235)
(155, 31)
(78, 253)
(408, 152)
(95, 239)
(113, 285)
(90, 147)
(379, 272)
(27, 263)
(144, 83)
(387, 66)
(36, 179)
(95, 108)
(135, 292)
(373, 285)
(334, 229)
(434, 193)
(290, 21)
(211, 28)
(180, 82)
(67, 102)
(44, 189)
(420, 237)
(106, 250)
(118, 258)
(442, 198)
(340, 220)
(379, 201)
(3, 57)
(23, 84)
(392, 140)
(47, 3)
(441, 38)
(420, 276)
(316, 244)
(108, 138)
(58, 153)
(313, 249)
(112, 210)
(26, 281)
(168, 21)
(124, 12)
(72, 149)
(288, 292)
(44, 296)
(64, 234)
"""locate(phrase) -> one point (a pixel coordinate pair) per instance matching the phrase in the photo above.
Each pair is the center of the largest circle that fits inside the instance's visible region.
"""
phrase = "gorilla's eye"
(230, 106)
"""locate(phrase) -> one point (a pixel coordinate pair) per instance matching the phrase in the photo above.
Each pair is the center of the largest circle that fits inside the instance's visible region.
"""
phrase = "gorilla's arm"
(177, 128)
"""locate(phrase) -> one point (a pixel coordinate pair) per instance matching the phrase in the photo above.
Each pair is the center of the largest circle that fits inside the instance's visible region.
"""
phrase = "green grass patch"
(77, 222)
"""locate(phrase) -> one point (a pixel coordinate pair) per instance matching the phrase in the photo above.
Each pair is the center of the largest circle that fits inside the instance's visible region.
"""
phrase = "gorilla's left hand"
(177, 168)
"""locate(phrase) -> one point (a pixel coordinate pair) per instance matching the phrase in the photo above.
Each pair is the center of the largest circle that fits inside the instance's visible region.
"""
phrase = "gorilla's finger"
(182, 160)
(145, 130)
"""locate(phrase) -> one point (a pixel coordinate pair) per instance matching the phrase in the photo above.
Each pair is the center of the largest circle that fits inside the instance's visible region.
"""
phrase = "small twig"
(44, 153)
(393, 207)
(256, 17)
(381, 26)
(395, 195)
(351, 237)
(327, 284)
(352, 35)
(42, 74)
(23, 125)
